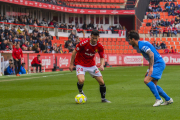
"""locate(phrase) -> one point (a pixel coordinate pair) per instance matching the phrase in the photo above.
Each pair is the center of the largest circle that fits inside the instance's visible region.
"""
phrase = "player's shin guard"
(154, 90)
(80, 86)
(103, 91)
(162, 93)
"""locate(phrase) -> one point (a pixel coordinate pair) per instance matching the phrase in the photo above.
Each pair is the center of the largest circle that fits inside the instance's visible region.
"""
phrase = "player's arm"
(13, 55)
(151, 61)
(101, 64)
(101, 54)
(21, 54)
(72, 60)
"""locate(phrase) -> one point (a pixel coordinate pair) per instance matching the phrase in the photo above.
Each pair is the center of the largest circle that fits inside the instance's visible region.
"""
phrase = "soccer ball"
(80, 99)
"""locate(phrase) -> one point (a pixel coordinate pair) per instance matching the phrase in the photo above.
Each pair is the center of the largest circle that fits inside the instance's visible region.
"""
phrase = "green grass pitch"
(50, 96)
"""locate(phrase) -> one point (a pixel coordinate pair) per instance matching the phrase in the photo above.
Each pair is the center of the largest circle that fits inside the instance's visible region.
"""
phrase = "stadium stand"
(161, 24)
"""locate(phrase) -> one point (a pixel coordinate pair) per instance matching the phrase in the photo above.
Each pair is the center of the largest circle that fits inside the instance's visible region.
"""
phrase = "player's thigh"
(80, 72)
(99, 79)
(81, 78)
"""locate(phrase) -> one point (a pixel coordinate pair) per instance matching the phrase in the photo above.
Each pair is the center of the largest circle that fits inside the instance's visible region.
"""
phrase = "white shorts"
(93, 71)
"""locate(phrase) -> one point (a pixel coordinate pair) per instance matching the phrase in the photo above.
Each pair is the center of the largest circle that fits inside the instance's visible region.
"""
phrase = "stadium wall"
(140, 10)
(62, 61)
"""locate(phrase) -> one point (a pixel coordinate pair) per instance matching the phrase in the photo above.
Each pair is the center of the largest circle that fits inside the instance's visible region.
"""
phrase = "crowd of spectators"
(163, 46)
(36, 41)
(159, 25)
(72, 41)
(10, 70)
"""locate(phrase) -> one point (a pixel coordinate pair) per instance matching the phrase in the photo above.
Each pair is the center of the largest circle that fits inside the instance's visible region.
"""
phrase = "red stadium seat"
(117, 1)
(99, 6)
(95, 6)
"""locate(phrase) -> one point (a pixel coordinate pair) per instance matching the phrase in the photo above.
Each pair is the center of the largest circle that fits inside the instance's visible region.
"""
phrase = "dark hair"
(23, 64)
(10, 59)
(38, 55)
(95, 32)
(133, 34)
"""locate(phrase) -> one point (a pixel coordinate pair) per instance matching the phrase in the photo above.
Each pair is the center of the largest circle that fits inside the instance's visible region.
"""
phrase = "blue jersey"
(144, 46)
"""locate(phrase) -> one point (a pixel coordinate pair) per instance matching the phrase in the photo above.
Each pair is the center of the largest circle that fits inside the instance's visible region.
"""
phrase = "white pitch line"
(32, 77)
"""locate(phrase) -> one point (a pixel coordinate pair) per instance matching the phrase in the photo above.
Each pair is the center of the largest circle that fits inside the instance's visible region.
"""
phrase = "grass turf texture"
(50, 96)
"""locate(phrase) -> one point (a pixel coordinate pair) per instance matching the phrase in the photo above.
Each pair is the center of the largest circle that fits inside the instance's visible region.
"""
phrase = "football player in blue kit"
(156, 67)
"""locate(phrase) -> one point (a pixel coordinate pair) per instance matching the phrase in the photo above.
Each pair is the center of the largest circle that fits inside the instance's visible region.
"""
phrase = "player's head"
(10, 61)
(38, 56)
(94, 37)
(23, 64)
(17, 46)
(133, 36)
(11, 65)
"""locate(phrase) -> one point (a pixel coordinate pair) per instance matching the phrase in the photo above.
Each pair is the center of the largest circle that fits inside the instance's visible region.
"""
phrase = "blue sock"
(162, 93)
(154, 90)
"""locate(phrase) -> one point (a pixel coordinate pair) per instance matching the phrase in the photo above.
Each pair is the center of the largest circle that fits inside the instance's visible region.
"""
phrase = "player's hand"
(102, 68)
(146, 74)
(17, 59)
(71, 67)
(150, 72)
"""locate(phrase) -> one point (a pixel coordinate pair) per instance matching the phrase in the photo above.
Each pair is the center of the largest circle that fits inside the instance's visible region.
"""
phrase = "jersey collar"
(93, 45)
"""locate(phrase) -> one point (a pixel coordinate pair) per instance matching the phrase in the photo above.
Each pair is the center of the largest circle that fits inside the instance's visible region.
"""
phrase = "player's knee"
(101, 82)
(81, 80)
(146, 81)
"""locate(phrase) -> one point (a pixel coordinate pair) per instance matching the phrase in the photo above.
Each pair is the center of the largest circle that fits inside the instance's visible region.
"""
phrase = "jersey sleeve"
(101, 51)
(79, 47)
(13, 54)
(144, 49)
(21, 53)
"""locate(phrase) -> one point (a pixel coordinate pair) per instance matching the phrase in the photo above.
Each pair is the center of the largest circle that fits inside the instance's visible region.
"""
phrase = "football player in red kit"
(83, 57)
(17, 54)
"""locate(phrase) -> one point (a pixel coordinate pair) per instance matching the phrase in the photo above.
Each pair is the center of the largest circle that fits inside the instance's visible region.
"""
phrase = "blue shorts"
(158, 69)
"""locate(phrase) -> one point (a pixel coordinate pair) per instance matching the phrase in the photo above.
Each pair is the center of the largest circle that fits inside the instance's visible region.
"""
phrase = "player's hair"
(95, 32)
(10, 60)
(38, 55)
(133, 34)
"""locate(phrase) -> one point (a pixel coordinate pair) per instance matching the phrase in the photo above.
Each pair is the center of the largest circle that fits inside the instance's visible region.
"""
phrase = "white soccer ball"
(80, 99)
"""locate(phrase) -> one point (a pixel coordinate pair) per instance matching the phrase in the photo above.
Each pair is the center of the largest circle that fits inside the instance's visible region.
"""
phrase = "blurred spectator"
(47, 51)
(60, 49)
(162, 22)
(43, 47)
(158, 46)
(4, 45)
(54, 50)
(172, 50)
(168, 8)
(166, 50)
(44, 22)
(37, 50)
(154, 44)
(36, 62)
(23, 69)
(172, 4)
(70, 47)
(166, 31)
(158, 8)
(174, 30)
(163, 45)
(19, 30)
(67, 42)
(10, 70)
(167, 23)
(150, 8)
(25, 46)
(171, 12)
(157, 15)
